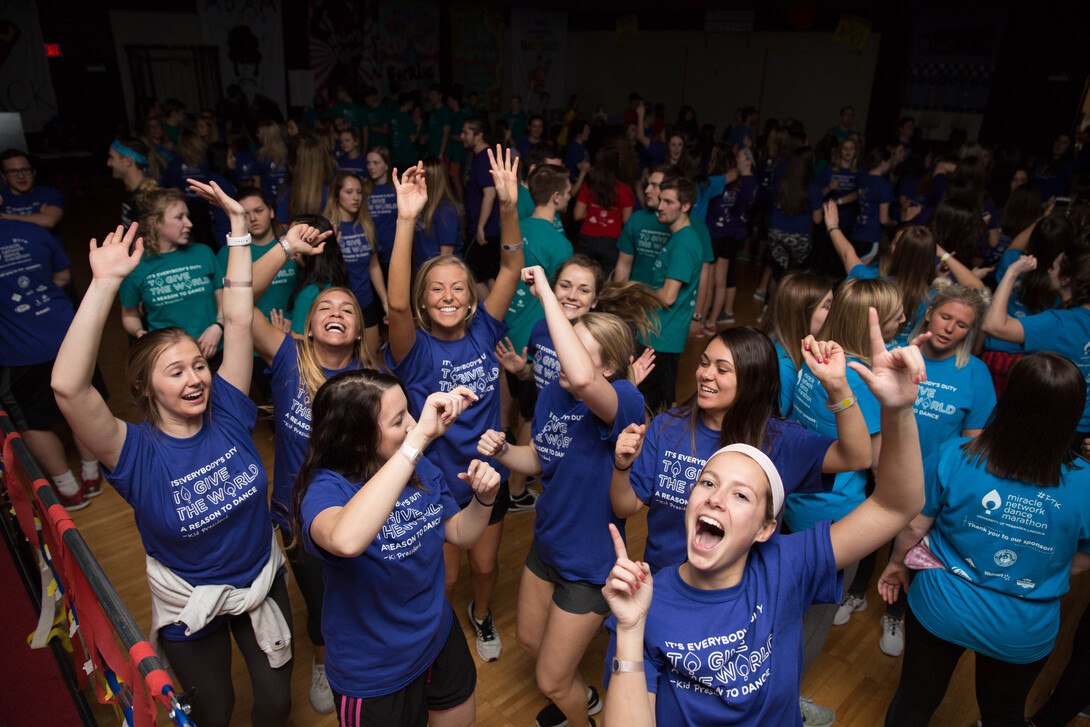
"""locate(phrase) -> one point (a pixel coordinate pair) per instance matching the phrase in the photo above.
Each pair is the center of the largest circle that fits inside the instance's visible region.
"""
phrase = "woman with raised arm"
(440, 337)
(194, 479)
(718, 642)
(576, 422)
(377, 514)
(1004, 529)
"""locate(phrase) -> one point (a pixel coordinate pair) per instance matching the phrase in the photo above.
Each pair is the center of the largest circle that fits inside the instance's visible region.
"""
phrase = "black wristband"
(623, 469)
(486, 504)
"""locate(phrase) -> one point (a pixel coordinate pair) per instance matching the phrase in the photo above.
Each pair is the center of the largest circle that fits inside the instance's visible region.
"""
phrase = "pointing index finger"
(618, 543)
(877, 343)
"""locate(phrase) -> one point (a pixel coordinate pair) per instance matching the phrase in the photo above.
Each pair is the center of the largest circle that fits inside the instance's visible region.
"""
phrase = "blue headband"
(127, 152)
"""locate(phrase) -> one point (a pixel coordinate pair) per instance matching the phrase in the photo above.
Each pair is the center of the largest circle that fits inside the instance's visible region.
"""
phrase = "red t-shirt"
(605, 222)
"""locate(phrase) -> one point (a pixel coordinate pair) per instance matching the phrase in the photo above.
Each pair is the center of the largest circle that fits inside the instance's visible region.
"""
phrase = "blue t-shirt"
(200, 502)
(221, 223)
(382, 204)
(951, 400)
(479, 178)
(446, 230)
(874, 191)
(573, 157)
(246, 167)
(32, 202)
(283, 210)
(728, 214)
(357, 165)
(177, 288)
(739, 134)
(802, 510)
(384, 615)
(576, 452)
(643, 237)
(357, 251)
(34, 312)
(435, 365)
(540, 349)
(1065, 331)
(177, 172)
(671, 459)
(847, 182)
(789, 376)
(291, 405)
(1008, 546)
(272, 178)
(796, 224)
(734, 656)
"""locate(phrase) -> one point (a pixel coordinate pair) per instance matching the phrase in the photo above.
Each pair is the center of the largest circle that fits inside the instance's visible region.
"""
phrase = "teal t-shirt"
(643, 237)
(177, 288)
(352, 112)
(525, 205)
(679, 260)
(541, 245)
(517, 122)
(304, 299)
(437, 119)
(707, 252)
(402, 127)
(376, 116)
(456, 150)
(276, 295)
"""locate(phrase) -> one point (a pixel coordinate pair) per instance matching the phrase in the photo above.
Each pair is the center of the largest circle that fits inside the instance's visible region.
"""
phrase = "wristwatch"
(623, 667)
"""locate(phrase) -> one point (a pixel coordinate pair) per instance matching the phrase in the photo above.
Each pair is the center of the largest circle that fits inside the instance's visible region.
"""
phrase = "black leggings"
(205, 664)
(310, 577)
(1001, 687)
(1072, 693)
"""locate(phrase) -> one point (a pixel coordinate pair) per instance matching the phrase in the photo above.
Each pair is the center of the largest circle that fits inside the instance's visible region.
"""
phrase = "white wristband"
(239, 241)
(411, 453)
(287, 248)
(839, 406)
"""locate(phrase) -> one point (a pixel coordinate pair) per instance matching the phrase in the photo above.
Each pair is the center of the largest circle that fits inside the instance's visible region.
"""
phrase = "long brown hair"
(438, 183)
(788, 320)
(140, 365)
(310, 170)
(333, 206)
(849, 321)
(911, 265)
(1049, 238)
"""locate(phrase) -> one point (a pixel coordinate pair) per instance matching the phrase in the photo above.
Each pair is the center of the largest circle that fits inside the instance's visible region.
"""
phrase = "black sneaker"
(526, 502)
(551, 716)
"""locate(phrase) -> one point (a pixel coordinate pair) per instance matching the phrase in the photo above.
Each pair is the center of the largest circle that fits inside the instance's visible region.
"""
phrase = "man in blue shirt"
(42, 206)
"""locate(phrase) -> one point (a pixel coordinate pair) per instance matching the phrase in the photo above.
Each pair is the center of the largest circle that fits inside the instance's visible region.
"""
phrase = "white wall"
(804, 75)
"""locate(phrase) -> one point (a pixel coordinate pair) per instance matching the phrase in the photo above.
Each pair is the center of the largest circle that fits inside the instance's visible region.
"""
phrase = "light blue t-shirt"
(951, 400)
(1065, 331)
(789, 377)
(1015, 307)
(1007, 547)
(802, 510)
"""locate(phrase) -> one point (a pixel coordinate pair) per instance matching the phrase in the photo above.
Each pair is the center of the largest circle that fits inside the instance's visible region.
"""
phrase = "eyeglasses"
(16, 172)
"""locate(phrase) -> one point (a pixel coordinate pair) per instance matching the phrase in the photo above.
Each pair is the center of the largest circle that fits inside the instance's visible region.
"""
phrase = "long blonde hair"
(140, 365)
(310, 169)
(333, 206)
(311, 375)
(154, 203)
(615, 340)
(270, 143)
(192, 148)
(849, 320)
(438, 181)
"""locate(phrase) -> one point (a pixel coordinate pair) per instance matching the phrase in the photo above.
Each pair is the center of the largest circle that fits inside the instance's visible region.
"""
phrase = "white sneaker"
(814, 715)
(488, 639)
(892, 642)
(851, 604)
(321, 696)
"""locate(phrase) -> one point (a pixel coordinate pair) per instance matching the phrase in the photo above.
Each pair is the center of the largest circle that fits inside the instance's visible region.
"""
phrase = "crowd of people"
(453, 316)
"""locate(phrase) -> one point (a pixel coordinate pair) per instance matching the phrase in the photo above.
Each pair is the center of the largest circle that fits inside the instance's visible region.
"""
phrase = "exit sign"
(52, 50)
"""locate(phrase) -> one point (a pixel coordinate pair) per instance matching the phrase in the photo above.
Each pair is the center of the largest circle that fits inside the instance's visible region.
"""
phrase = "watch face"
(616, 664)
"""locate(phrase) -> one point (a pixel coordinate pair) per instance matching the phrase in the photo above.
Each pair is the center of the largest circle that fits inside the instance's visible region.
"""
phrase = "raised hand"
(279, 321)
(1022, 265)
(412, 192)
(893, 579)
(112, 259)
(535, 280)
(628, 587)
(511, 361)
(642, 366)
(629, 444)
(441, 409)
(484, 480)
(832, 214)
(505, 175)
(492, 443)
(306, 240)
(894, 375)
(213, 194)
(825, 359)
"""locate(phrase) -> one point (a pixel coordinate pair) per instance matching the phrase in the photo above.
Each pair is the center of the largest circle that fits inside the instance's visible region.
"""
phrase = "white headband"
(766, 464)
